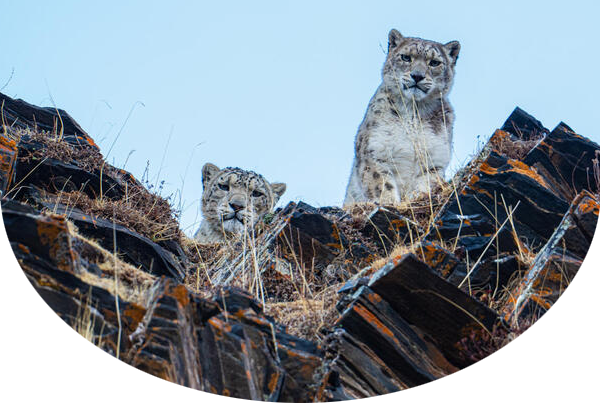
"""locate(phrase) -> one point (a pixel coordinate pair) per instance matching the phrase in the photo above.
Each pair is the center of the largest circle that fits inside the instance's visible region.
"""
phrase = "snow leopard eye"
(256, 193)
(224, 186)
(405, 58)
(434, 63)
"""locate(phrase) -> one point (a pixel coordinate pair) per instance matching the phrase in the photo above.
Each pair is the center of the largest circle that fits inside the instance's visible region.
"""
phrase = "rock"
(56, 265)
(33, 169)
(523, 125)
(8, 158)
(356, 372)
(319, 241)
(375, 326)
(448, 296)
(195, 343)
(440, 310)
(491, 275)
(557, 263)
(438, 258)
(401, 330)
(564, 160)
(132, 247)
(309, 237)
(387, 227)
(55, 176)
(17, 113)
(483, 205)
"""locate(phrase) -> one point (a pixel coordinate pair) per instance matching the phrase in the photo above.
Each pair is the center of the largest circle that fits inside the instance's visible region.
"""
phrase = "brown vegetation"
(143, 212)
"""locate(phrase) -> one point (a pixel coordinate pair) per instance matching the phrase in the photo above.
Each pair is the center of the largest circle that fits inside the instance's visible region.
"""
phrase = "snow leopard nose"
(417, 77)
(236, 207)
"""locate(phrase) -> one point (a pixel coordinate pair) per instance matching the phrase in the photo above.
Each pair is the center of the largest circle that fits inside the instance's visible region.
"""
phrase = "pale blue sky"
(280, 88)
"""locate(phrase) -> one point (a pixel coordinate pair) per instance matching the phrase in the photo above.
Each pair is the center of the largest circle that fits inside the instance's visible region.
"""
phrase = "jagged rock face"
(419, 296)
(223, 345)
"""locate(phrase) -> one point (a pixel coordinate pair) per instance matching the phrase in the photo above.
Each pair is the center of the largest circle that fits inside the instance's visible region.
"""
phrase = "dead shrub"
(140, 211)
(515, 148)
(306, 317)
(54, 147)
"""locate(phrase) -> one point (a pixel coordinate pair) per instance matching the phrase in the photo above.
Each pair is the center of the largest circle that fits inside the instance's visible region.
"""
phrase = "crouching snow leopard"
(233, 200)
(405, 138)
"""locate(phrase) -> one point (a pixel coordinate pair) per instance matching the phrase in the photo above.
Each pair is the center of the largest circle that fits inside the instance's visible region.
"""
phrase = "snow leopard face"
(234, 199)
(418, 69)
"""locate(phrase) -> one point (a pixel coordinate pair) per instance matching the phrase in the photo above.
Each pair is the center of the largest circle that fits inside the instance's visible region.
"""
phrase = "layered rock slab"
(399, 326)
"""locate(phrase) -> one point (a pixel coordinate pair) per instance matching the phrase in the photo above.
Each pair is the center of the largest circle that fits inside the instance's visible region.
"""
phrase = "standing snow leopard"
(405, 138)
(233, 200)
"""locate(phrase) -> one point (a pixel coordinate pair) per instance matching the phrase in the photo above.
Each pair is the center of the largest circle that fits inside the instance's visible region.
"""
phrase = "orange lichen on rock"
(53, 233)
(181, 294)
(372, 319)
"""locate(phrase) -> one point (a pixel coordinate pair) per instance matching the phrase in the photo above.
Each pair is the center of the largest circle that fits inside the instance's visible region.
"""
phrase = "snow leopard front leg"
(379, 185)
(426, 181)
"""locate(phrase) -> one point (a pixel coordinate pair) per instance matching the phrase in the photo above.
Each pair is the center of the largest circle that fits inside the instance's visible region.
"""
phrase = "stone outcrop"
(422, 292)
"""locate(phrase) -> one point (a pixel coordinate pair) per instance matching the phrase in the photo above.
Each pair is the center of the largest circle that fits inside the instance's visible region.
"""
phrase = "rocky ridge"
(409, 293)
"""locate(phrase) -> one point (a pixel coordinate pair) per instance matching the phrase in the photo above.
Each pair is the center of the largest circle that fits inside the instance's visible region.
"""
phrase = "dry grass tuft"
(143, 212)
(85, 322)
(301, 298)
(514, 147)
(248, 261)
(54, 147)
(420, 208)
(134, 283)
(306, 317)
(202, 257)
(395, 254)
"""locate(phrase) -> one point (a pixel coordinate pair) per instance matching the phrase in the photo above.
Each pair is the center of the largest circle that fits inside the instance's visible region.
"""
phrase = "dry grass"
(134, 282)
(85, 322)
(238, 262)
(202, 257)
(291, 293)
(139, 209)
(420, 208)
(143, 212)
(251, 261)
(396, 253)
(54, 147)
(514, 148)
(306, 317)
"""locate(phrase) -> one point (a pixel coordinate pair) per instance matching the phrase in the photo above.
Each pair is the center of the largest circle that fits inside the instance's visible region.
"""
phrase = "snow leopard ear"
(278, 190)
(208, 172)
(394, 38)
(452, 48)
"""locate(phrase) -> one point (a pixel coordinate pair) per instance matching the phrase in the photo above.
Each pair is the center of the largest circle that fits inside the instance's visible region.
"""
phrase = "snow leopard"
(233, 201)
(404, 142)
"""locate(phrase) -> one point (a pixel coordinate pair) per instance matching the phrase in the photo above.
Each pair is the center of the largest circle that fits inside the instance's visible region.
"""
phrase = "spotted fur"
(233, 201)
(405, 138)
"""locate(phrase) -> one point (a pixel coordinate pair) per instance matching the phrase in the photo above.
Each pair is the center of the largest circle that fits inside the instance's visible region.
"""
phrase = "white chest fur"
(406, 146)
(397, 149)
